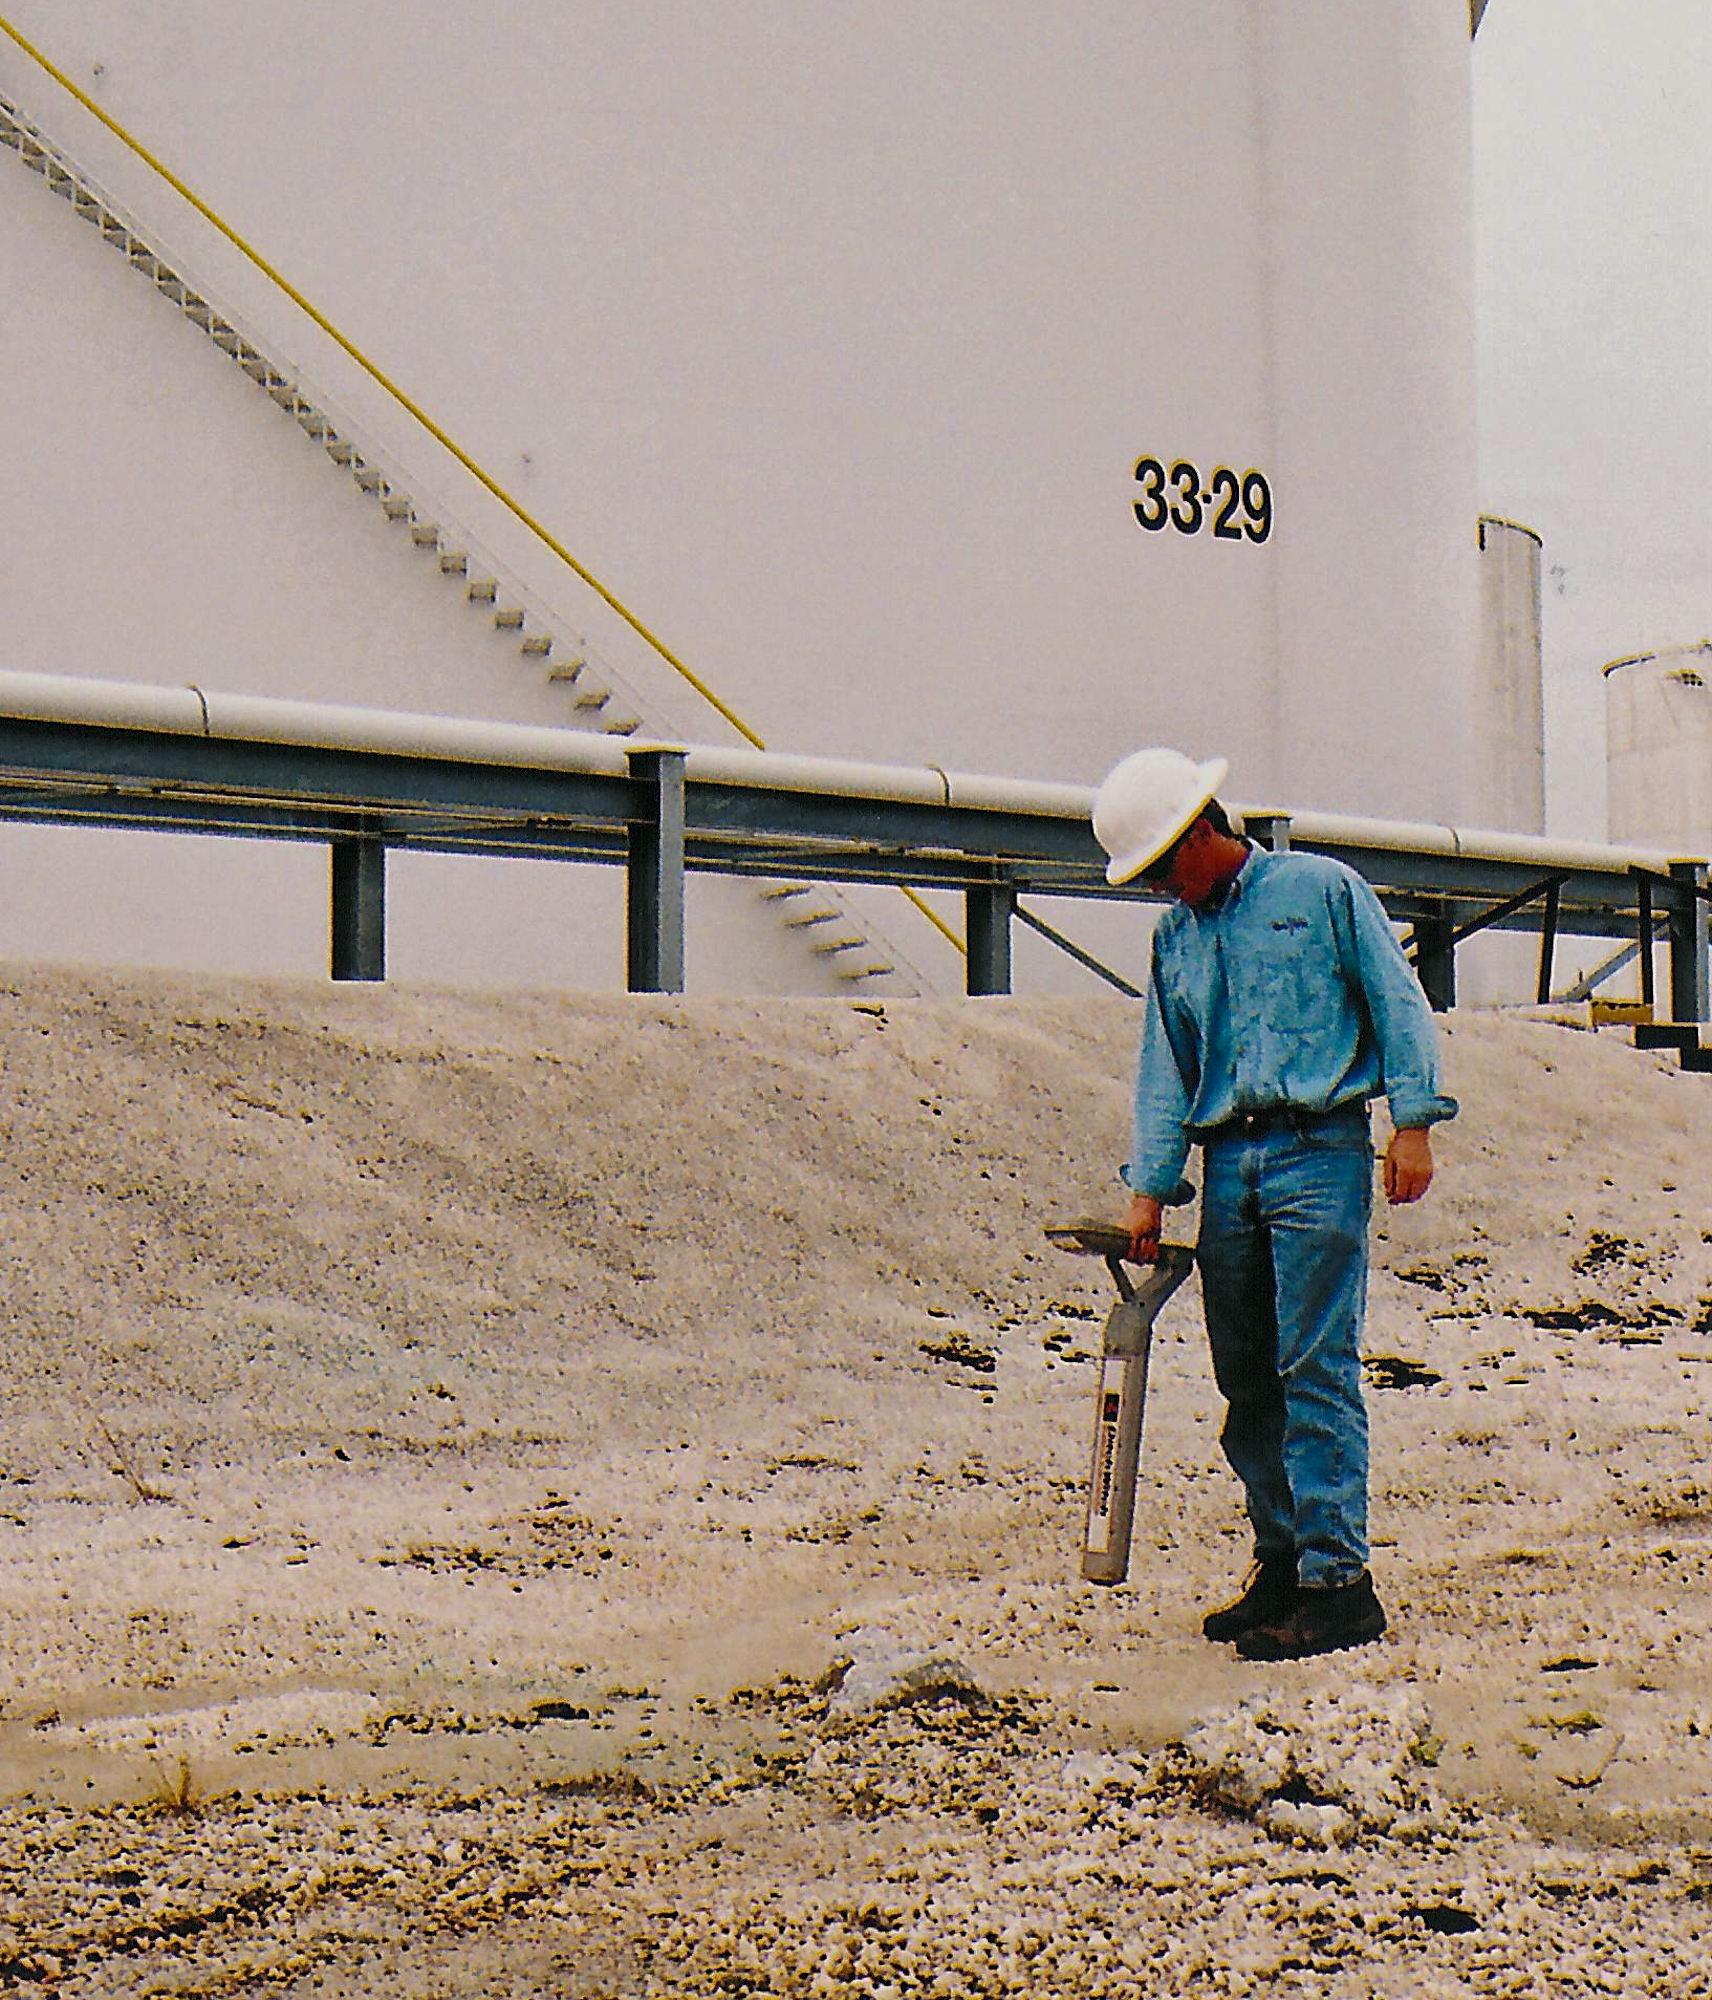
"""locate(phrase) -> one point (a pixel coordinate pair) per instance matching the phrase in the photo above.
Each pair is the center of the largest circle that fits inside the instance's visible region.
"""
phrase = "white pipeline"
(190, 711)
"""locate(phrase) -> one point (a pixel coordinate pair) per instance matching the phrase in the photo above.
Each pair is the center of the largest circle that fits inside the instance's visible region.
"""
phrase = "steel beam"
(1548, 942)
(655, 907)
(1549, 887)
(989, 907)
(1688, 950)
(359, 909)
(1435, 959)
(1271, 830)
(217, 769)
(1073, 950)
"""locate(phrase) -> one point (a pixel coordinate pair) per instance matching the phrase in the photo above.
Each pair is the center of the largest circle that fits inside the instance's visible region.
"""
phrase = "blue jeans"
(1283, 1259)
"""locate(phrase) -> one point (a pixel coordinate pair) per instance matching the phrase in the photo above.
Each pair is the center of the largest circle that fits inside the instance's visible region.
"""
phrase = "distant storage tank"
(979, 384)
(1658, 748)
(1510, 747)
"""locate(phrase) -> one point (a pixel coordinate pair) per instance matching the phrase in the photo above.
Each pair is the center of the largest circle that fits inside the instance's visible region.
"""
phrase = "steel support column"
(989, 907)
(1548, 943)
(655, 909)
(359, 909)
(1271, 830)
(1435, 960)
(1688, 950)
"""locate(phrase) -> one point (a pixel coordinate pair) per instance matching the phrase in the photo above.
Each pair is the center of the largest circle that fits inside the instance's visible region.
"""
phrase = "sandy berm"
(581, 1497)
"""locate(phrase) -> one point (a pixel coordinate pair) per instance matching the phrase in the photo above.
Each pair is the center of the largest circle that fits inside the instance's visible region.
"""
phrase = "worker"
(1278, 1004)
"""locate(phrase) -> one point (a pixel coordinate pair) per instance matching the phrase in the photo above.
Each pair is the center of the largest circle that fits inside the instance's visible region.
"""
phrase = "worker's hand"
(1142, 1221)
(1408, 1165)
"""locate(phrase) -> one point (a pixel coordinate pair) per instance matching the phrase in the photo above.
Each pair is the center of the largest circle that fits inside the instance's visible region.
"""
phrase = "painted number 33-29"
(1235, 508)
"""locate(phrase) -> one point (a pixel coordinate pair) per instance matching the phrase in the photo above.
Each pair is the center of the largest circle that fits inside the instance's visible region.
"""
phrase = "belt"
(1279, 1118)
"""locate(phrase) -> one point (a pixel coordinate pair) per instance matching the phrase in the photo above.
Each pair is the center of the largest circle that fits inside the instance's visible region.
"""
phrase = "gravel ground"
(580, 1498)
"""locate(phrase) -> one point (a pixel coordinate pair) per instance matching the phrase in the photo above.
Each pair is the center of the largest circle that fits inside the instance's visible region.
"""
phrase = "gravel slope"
(460, 1458)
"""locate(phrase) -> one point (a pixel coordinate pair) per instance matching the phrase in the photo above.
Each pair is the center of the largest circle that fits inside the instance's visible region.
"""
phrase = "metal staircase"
(486, 585)
(598, 699)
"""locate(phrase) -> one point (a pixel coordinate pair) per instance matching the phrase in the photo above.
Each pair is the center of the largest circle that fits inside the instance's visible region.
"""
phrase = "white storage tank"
(1658, 747)
(1510, 748)
(976, 384)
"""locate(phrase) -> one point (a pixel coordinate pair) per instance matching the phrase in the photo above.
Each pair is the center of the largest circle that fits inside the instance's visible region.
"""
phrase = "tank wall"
(1509, 750)
(829, 338)
(1658, 733)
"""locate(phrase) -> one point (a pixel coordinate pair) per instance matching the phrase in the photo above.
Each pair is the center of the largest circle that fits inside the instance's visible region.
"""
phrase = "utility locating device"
(1121, 1396)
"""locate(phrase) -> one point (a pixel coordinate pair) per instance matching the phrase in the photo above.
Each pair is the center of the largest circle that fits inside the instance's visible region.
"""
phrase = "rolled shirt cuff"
(1408, 1112)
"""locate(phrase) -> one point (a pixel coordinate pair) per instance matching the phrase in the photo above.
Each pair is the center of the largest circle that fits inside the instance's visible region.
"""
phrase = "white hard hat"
(1146, 802)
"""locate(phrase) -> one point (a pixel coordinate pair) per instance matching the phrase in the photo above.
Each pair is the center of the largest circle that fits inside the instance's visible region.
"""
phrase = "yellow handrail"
(405, 402)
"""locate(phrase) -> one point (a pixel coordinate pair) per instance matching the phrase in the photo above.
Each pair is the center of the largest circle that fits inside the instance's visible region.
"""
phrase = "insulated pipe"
(193, 711)
(257, 718)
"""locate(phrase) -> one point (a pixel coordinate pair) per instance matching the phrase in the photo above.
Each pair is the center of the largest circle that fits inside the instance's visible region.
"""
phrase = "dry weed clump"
(178, 1794)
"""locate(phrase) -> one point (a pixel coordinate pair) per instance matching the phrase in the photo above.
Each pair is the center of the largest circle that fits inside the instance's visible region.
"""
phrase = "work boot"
(1323, 1619)
(1269, 1594)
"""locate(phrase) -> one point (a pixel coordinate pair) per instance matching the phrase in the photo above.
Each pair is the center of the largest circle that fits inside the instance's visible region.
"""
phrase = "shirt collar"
(1233, 888)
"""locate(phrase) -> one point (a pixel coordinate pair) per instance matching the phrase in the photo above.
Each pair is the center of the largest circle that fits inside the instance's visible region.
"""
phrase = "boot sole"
(1309, 1648)
(1215, 1627)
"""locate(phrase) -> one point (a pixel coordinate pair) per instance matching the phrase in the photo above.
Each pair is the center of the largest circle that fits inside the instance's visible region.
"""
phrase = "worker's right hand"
(1142, 1220)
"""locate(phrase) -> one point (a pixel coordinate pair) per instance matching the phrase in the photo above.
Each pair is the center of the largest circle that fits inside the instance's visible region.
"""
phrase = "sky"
(1593, 174)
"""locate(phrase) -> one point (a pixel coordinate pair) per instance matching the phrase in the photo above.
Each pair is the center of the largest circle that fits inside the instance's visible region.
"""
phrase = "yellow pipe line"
(421, 416)
(937, 921)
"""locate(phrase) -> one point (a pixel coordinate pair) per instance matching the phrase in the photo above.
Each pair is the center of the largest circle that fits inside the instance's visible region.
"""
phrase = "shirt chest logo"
(1289, 923)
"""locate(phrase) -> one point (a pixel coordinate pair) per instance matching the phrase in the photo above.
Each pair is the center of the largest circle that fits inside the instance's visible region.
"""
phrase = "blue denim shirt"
(1294, 991)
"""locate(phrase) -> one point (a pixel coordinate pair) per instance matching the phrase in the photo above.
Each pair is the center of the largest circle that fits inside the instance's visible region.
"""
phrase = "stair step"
(483, 590)
(508, 618)
(425, 534)
(875, 971)
(538, 645)
(397, 507)
(1666, 1034)
(454, 562)
(832, 946)
(313, 423)
(341, 450)
(591, 698)
(566, 670)
(626, 725)
(369, 479)
(782, 891)
(809, 918)
(198, 309)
